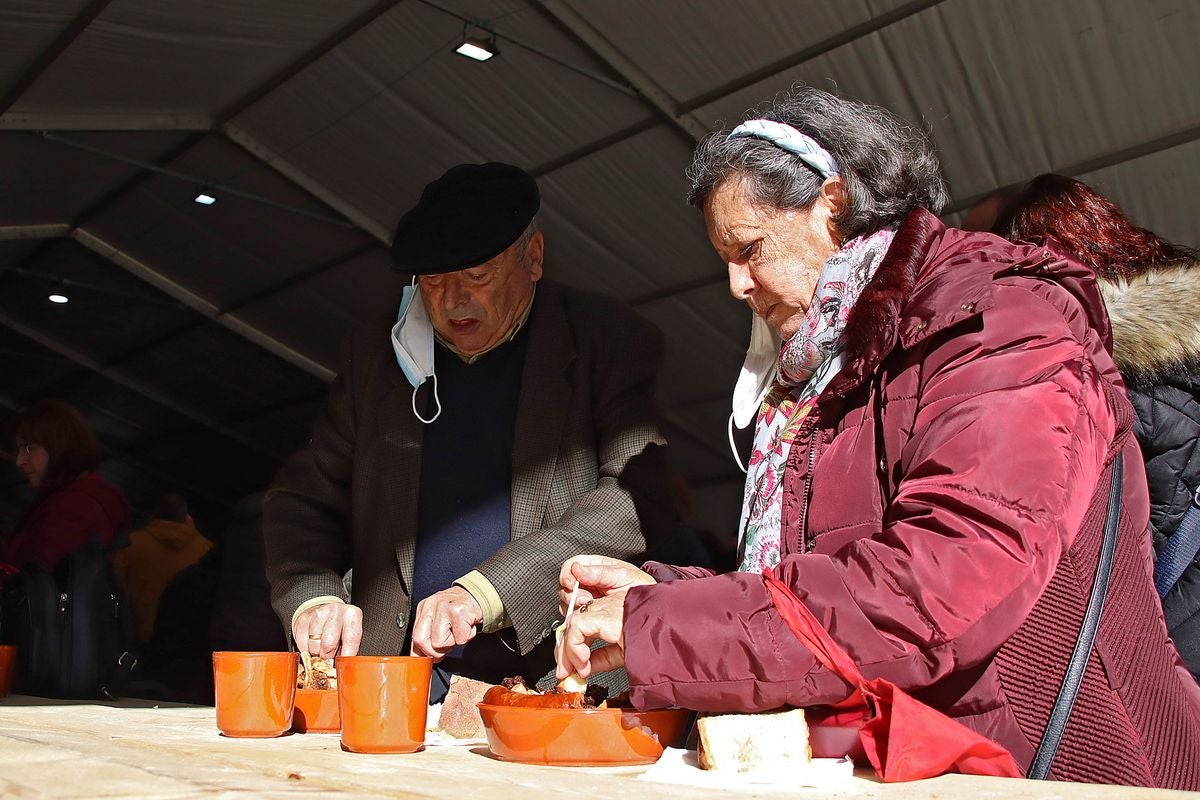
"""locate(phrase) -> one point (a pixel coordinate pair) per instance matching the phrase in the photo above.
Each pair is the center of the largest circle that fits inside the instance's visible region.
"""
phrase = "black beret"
(468, 216)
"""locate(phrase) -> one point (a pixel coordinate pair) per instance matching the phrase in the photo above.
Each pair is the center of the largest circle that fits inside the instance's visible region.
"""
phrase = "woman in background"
(72, 504)
(1152, 290)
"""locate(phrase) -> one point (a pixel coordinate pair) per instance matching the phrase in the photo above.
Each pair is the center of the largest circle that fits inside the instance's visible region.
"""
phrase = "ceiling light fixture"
(58, 298)
(208, 187)
(478, 41)
(204, 199)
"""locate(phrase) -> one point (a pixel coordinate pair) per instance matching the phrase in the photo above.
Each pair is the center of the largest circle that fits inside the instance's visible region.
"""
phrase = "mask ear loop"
(436, 399)
(733, 447)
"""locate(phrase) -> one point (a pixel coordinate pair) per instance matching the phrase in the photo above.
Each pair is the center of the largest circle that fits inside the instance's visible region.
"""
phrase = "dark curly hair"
(1057, 209)
(889, 167)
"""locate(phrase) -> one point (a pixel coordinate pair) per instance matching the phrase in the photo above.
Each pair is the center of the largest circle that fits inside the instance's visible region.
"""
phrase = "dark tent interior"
(199, 340)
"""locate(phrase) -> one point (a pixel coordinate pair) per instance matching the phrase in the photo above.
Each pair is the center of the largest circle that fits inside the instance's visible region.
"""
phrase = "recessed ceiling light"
(477, 49)
(205, 199)
(478, 41)
(57, 298)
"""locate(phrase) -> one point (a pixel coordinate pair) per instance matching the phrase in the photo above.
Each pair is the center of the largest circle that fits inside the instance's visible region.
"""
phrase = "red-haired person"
(72, 504)
(1152, 290)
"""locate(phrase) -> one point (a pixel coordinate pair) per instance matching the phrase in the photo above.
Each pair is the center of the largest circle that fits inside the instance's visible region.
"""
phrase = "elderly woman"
(932, 460)
(72, 504)
(1151, 288)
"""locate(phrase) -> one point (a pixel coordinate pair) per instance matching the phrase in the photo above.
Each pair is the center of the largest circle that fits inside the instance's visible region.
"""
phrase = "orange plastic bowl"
(582, 737)
(316, 711)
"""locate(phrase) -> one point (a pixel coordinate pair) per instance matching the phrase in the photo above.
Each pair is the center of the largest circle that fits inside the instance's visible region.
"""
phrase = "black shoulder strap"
(1039, 767)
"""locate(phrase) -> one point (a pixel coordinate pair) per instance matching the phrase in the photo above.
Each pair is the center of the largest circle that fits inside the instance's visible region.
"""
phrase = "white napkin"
(680, 767)
(439, 738)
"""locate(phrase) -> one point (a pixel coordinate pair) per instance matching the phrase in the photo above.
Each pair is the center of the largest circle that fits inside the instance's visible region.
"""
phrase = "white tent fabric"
(211, 331)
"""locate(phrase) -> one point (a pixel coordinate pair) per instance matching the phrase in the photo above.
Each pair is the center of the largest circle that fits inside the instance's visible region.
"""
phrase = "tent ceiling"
(199, 340)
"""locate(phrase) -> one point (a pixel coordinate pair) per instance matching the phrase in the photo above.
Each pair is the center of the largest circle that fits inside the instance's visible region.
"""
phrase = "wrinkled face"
(774, 256)
(475, 308)
(33, 460)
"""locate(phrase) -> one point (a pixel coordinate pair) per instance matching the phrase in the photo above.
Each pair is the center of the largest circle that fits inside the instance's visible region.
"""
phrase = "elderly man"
(469, 447)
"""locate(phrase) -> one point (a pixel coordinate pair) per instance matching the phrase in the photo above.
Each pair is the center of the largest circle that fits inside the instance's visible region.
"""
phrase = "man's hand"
(321, 629)
(445, 620)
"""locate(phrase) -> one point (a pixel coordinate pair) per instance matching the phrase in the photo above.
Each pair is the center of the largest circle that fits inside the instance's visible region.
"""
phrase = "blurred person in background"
(59, 455)
(178, 655)
(1151, 288)
(155, 555)
(242, 616)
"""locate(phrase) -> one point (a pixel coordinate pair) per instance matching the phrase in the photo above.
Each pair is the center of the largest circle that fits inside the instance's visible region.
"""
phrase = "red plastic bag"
(904, 739)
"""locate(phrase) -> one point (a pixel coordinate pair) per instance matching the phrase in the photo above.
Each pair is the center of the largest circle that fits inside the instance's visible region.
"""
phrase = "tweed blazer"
(349, 498)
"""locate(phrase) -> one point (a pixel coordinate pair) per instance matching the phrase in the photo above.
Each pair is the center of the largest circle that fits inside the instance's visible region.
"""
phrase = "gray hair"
(889, 167)
(525, 238)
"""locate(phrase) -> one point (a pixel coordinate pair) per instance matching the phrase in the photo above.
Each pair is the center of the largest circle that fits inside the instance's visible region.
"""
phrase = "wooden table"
(53, 748)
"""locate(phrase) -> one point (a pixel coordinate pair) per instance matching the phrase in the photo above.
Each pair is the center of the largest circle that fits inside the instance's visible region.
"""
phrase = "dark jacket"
(942, 514)
(1156, 344)
(66, 517)
(242, 617)
(349, 499)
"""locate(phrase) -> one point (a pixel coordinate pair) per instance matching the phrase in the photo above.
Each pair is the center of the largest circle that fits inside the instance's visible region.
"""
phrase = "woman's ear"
(834, 198)
(833, 192)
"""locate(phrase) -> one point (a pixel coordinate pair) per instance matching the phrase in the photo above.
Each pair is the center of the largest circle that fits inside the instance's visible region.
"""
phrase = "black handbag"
(73, 628)
(1039, 767)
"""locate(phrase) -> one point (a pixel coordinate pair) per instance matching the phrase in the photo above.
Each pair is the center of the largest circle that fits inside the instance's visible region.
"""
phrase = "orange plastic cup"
(255, 692)
(8, 662)
(383, 702)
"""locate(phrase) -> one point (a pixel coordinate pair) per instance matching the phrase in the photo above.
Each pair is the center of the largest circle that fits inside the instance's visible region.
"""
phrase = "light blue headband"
(788, 138)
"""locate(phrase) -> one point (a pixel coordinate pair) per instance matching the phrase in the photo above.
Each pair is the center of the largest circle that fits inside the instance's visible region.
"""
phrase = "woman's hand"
(597, 576)
(599, 613)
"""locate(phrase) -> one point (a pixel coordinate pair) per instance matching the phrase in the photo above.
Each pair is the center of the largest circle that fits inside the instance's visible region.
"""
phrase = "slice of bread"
(754, 742)
(460, 713)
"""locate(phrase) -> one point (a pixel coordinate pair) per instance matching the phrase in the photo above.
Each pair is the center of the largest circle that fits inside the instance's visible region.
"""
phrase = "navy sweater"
(466, 490)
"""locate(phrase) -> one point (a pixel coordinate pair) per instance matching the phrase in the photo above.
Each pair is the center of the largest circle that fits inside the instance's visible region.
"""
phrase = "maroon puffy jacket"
(942, 517)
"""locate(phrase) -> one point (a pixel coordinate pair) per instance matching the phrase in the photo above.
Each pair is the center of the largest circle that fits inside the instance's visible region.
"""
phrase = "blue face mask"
(413, 341)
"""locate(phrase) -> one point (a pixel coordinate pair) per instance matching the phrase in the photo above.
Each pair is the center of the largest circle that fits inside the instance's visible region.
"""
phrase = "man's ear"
(535, 252)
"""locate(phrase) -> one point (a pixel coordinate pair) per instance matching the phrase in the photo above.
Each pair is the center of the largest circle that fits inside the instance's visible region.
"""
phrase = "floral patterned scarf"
(807, 363)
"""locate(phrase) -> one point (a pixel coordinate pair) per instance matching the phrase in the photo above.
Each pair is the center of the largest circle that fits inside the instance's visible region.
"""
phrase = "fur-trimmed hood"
(1155, 321)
